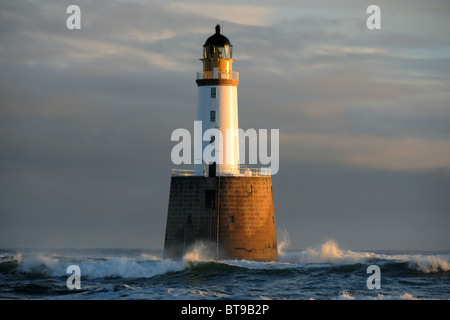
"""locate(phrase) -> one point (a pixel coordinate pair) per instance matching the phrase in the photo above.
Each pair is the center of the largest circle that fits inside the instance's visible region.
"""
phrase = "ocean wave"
(126, 268)
(201, 253)
(199, 260)
(423, 263)
(146, 266)
(326, 271)
(331, 253)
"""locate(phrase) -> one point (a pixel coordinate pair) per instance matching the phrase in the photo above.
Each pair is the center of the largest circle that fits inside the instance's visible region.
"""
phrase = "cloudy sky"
(364, 117)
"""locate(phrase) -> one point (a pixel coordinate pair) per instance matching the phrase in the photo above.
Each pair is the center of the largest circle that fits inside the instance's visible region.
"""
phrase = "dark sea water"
(326, 272)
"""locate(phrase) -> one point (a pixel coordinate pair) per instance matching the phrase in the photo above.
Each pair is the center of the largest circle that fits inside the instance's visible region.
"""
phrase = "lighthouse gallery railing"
(218, 75)
(243, 171)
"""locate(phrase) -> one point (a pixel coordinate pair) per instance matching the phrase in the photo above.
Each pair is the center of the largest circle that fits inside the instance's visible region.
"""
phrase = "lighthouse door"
(212, 169)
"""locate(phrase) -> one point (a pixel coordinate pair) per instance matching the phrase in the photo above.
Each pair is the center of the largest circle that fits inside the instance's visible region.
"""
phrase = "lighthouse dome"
(217, 40)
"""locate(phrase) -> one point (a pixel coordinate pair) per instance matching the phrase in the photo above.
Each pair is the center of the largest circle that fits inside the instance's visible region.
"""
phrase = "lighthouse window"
(227, 52)
(212, 116)
(213, 93)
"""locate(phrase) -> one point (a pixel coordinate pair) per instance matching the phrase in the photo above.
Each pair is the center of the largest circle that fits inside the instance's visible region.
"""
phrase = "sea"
(324, 272)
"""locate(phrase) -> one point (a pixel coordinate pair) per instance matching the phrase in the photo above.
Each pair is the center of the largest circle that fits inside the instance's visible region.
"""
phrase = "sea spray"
(284, 243)
(200, 251)
(328, 252)
(39, 265)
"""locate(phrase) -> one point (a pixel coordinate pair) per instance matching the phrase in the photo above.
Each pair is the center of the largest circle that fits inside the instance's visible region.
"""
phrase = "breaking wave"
(146, 266)
(325, 271)
(202, 258)
(331, 253)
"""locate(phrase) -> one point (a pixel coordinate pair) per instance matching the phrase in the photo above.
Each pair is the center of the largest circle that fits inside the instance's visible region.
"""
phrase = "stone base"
(231, 216)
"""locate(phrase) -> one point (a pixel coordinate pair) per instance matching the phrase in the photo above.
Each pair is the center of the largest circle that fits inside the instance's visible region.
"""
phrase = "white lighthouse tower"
(217, 109)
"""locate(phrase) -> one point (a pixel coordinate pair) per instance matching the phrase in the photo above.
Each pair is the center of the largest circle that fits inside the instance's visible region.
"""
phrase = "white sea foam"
(37, 264)
(177, 293)
(330, 252)
(146, 266)
(344, 295)
(284, 243)
(126, 268)
(200, 252)
(148, 256)
(429, 264)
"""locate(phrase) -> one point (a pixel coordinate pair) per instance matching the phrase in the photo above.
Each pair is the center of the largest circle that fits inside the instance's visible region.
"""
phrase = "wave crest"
(146, 266)
(331, 252)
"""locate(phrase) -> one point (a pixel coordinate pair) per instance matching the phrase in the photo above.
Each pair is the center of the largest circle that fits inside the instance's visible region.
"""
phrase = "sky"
(86, 117)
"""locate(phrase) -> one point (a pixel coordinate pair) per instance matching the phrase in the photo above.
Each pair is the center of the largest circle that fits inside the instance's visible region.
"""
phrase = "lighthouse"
(220, 205)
